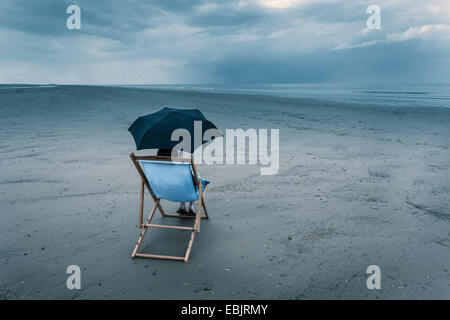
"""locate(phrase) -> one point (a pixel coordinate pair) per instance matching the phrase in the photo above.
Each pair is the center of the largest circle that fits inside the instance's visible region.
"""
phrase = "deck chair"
(173, 179)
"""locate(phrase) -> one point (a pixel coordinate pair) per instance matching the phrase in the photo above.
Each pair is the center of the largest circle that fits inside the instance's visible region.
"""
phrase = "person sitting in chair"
(182, 209)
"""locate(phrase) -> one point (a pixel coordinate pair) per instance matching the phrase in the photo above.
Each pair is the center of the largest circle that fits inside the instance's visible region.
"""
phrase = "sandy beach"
(357, 186)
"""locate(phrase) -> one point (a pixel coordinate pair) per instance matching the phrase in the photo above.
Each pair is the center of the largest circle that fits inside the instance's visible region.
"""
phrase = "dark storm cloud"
(233, 41)
(48, 17)
(367, 64)
(42, 17)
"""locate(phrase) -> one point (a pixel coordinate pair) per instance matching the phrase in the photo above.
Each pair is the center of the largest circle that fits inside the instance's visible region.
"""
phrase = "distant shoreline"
(403, 96)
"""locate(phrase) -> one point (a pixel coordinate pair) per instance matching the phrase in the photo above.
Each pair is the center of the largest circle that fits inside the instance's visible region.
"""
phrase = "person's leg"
(182, 209)
(191, 208)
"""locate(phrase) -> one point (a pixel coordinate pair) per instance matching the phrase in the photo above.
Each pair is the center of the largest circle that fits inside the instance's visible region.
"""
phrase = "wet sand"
(357, 186)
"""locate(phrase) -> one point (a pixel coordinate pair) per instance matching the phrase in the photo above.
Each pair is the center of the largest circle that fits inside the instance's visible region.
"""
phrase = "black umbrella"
(154, 131)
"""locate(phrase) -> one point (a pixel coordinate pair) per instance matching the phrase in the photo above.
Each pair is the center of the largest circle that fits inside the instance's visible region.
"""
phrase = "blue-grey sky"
(224, 41)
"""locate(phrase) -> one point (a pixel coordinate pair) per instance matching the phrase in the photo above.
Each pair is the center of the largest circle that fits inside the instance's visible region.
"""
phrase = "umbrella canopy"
(154, 131)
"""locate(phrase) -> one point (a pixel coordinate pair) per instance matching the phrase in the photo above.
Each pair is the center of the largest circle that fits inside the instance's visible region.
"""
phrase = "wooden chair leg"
(141, 204)
(203, 202)
(160, 208)
(189, 248)
(204, 207)
(199, 210)
(184, 217)
(144, 230)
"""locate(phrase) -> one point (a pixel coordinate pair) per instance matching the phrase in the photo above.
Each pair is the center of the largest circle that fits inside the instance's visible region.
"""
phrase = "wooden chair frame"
(157, 205)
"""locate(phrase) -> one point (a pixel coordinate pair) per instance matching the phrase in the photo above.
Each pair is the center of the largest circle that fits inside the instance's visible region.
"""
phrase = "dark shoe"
(182, 212)
(191, 212)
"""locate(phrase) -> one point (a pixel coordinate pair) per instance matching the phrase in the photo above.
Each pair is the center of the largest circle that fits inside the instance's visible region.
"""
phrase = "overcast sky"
(224, 41)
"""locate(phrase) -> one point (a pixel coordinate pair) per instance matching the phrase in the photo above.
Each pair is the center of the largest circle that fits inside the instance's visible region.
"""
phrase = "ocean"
(395, 95)
(390, 95)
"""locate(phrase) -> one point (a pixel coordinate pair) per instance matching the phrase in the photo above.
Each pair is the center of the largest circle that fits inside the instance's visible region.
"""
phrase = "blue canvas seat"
(172, 179)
